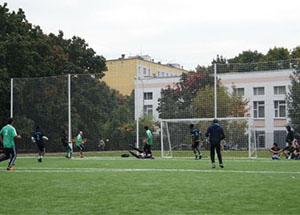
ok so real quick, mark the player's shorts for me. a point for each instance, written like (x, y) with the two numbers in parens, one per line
(80, 147)
(147, 149)
(196, 144)
(41, 147)
(275, 157)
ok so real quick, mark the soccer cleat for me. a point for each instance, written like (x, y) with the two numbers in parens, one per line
(39, 160)
(10, 168)
(221, 165)
(200, 156)
(196, 157)
(213, 165)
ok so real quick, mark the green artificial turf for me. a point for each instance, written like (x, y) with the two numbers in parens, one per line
(114, 185)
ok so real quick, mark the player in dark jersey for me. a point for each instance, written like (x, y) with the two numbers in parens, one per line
(196, 135)
(38, 137)
(290, 135)
(64, 140)
(141, 154)
(275, 152)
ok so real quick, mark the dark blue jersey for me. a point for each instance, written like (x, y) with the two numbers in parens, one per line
(38, 136)
(196, 133)
(215, 133)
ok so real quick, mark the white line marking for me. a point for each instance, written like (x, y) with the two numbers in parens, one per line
(95, 170)
(227, 159)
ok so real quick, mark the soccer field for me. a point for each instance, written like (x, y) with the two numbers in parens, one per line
(113, 185)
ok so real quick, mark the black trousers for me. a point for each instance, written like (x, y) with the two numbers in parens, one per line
(215, 147)
(9, 153)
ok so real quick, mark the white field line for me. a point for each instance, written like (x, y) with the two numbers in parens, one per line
(166, 159)
(96, 170)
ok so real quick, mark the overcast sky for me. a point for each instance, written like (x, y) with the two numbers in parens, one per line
(188, 32)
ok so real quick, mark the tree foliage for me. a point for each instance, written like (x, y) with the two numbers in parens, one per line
(293, 100)
(27, 54)
(25, 51)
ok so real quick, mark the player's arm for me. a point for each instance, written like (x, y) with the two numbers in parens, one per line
(15, 135)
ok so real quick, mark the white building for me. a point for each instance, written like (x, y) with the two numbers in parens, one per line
(147, 93)
(265, 90)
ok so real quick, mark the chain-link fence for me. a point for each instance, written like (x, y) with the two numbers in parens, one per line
(268, 93)
(105, 116)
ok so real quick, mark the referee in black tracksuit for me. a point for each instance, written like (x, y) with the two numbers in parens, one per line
(215, 133)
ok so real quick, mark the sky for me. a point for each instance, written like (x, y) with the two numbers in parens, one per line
(188, 32)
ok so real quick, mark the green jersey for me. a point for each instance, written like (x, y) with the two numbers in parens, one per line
(78, 140)
(149, 137)
(9, 133)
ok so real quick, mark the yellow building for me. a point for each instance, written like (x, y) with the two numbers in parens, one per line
(121, 73)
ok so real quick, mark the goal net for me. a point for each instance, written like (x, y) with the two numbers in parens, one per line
(239, 132)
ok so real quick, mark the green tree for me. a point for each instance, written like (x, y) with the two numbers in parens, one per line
(293, 100)
(247, 57)
(276, 54)
(295, 53)
(175, 101)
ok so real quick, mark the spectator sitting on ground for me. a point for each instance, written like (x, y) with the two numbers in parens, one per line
(296, 153)
(288, 150)
(275, 152)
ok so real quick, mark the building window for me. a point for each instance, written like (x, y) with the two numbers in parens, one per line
(240, 91)
(280, 108)
(158, 73)
(144, 71)
(148, 72)
(260, 139)
(139, 70)
(148, 109)
(259, 109)
(162, 74)
(258, 91)
(279, 90)
(279, 138)
(148, 96)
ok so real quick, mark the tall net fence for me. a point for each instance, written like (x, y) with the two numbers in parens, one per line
(268, 93)
(40, 102)
(105, 116)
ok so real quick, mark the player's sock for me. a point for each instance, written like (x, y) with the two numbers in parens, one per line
(200, 155)
(135, 155)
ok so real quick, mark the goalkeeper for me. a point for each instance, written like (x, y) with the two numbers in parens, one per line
(196, 134)
(141, 154)
(38, 137)
(64, 140)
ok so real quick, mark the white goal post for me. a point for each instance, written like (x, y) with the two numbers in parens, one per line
(239, 132)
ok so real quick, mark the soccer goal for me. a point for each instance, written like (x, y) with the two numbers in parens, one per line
(239, 132)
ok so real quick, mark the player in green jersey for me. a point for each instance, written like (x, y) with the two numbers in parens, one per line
(79, 144)
(7, 136)
(148, 141)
